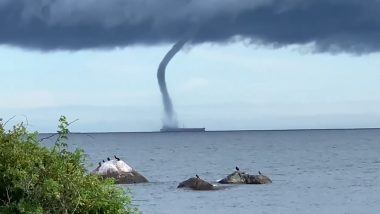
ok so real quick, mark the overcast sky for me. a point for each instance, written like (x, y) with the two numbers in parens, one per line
(263, 64)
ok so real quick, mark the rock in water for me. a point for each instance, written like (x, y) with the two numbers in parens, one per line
(238, 177)
(108, 168)
(131, 178)
(122, 166)
(196, 184)
(257, 179)
(121, 171)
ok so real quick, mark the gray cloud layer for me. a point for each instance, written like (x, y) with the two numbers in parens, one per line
(333, 25)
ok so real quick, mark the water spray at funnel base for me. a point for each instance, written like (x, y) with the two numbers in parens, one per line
(170, 119)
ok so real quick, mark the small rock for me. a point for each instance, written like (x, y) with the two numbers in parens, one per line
(257, 179)
(196, 184)
(239, 177)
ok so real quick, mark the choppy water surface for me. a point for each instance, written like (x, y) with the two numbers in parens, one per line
(320, 171)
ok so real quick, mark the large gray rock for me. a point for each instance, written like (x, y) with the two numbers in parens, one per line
(120, 171)
(257, 179)
(239, 177)
(233, 178)
(196, 184)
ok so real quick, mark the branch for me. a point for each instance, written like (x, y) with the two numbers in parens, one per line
(26, 119)
(9, 120)
(50, 136)
(72, 122)
(8, 197)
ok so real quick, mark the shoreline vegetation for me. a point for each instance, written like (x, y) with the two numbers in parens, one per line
(36, 179)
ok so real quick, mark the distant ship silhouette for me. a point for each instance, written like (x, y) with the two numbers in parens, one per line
(171, 129)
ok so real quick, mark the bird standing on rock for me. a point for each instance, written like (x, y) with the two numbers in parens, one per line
(108, 159)
(103, 161)
(259, 173)
(100, 164)
(238, 171)
(116, 158)
(197, 176)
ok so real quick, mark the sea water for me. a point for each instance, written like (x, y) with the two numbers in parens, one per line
(313, 171)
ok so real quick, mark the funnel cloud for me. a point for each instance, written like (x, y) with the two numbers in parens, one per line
(170, 119)
(329, 25)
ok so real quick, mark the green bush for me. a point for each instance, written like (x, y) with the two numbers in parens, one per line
(36, 179)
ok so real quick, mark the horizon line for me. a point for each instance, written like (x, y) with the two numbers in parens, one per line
(237, 130)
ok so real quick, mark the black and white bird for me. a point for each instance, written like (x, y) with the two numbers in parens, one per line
(237, 168)
(197, 176)
(259, 173)
(103, 161)
(100, 164)
(108, 159)
(116, 158)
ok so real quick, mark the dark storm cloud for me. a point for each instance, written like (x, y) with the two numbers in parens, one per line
(332, 25)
